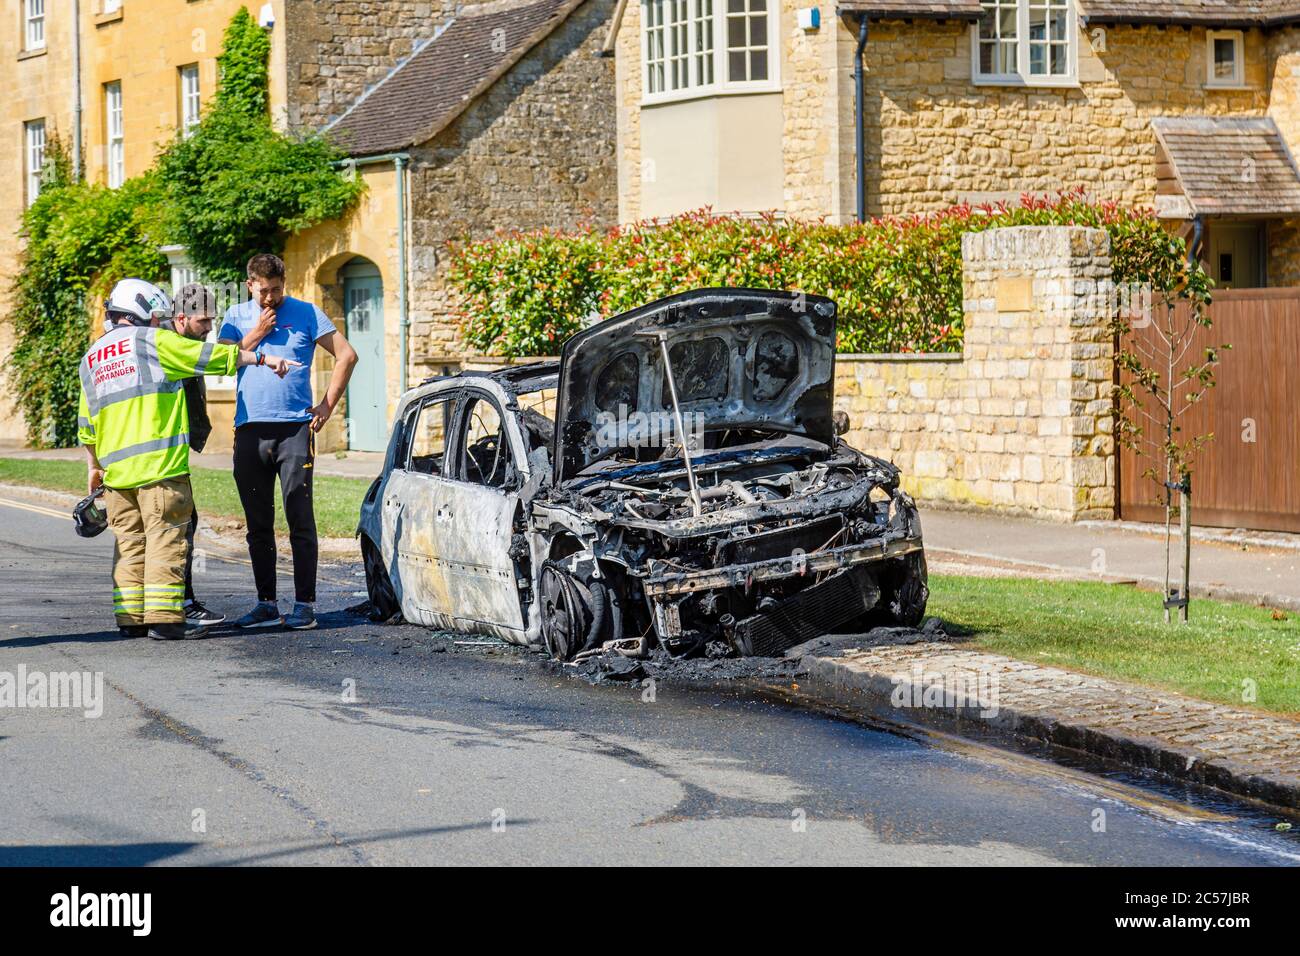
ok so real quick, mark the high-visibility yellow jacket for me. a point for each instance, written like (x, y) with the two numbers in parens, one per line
(133, 403)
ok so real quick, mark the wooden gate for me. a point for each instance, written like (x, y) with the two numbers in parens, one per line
(1249, 476)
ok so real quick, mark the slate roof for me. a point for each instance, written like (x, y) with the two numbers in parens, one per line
(918, 9)
(424, 94)
(1230, 166)
(1221, 13)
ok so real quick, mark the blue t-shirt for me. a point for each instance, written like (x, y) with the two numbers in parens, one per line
(260, 395)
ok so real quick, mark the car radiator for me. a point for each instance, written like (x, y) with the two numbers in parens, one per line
(810, 613)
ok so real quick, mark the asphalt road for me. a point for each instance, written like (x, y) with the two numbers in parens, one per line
(243, 750)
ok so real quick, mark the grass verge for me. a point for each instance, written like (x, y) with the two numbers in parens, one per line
(338, 500)
(1225, 653)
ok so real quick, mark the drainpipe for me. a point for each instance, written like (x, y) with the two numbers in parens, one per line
(76, 91)
(858, 133)
(401, 162)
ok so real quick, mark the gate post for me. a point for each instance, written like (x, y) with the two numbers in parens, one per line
(1040, 364)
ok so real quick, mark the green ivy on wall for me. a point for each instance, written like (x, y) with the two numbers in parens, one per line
(230, 189)
(235, 186)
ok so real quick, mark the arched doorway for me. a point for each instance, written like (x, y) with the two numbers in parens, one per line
(363, 304)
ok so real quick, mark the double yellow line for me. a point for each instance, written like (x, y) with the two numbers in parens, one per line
(35, 509)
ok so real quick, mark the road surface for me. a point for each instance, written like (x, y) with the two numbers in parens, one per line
(359, 744)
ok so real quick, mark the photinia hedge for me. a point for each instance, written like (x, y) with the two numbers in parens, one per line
(898, 281)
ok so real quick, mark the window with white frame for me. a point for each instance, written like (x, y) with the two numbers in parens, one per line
(191, 101)
(1031, 42)
(112, 6)
(692, 47)
(1225, 57)
(34, 24)
(34, 155)
(115, 136)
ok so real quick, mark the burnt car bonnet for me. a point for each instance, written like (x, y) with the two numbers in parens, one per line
(741, 358)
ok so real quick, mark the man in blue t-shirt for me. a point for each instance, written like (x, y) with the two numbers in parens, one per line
(276, 423)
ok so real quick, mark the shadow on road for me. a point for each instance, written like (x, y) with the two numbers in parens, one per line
(144, 854)
(92, 637)
(90, 854)
(356, 843)
(328, 621)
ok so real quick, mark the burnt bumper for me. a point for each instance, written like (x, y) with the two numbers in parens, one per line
(662, 582)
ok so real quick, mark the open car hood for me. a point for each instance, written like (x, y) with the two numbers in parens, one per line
(741, 358)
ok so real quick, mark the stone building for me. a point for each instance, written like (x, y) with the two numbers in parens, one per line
(113, 77)
(463, 117)
(1190, 106)
(503, 120)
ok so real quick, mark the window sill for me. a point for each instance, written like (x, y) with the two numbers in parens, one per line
(708, 93)
(106, 18)
(1055, 83)
(32, 54)
(1227, 87)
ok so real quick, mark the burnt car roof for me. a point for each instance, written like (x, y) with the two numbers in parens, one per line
(742, 358)
(519, 379)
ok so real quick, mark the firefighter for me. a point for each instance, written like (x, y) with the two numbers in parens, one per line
(196, 308)
(134, 424)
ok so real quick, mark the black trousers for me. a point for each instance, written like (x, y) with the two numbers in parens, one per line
(189, 557)
(263, 452)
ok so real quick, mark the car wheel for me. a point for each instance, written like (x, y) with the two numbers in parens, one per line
(573, 614)
(384, 605)
(911, 591)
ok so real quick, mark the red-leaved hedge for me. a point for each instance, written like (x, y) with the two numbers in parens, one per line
(898, 281)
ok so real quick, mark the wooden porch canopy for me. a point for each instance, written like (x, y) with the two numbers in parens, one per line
(1217, 166)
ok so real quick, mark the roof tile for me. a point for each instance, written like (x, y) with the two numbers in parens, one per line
(424, 94)
(921, 9)
(1225, 13)
(1231, 166)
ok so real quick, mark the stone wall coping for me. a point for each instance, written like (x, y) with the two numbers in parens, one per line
(898, 357)
(462, 358)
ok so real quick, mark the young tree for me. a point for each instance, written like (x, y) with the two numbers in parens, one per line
(1165, 369)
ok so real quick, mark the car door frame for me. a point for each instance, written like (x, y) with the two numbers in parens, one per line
(482, 523)
(411, 501)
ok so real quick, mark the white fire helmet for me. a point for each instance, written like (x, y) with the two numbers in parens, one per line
(139, 301)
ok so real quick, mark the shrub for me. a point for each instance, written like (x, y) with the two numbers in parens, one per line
(79, 240)
(898, 281)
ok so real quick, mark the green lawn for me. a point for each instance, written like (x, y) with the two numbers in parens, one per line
(338, 500)
(1116, 631)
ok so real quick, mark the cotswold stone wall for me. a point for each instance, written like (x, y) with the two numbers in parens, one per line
(336, 49)
(934, 137)
(1021, 421)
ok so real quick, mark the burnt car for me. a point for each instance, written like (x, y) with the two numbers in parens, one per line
(676, 479)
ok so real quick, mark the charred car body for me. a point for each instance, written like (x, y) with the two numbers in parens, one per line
(689, 487)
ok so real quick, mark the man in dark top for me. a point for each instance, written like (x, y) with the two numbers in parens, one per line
(196, 310)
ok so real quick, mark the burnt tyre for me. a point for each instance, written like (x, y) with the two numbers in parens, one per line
(909, 591)
(574, 612)
(384, 606)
